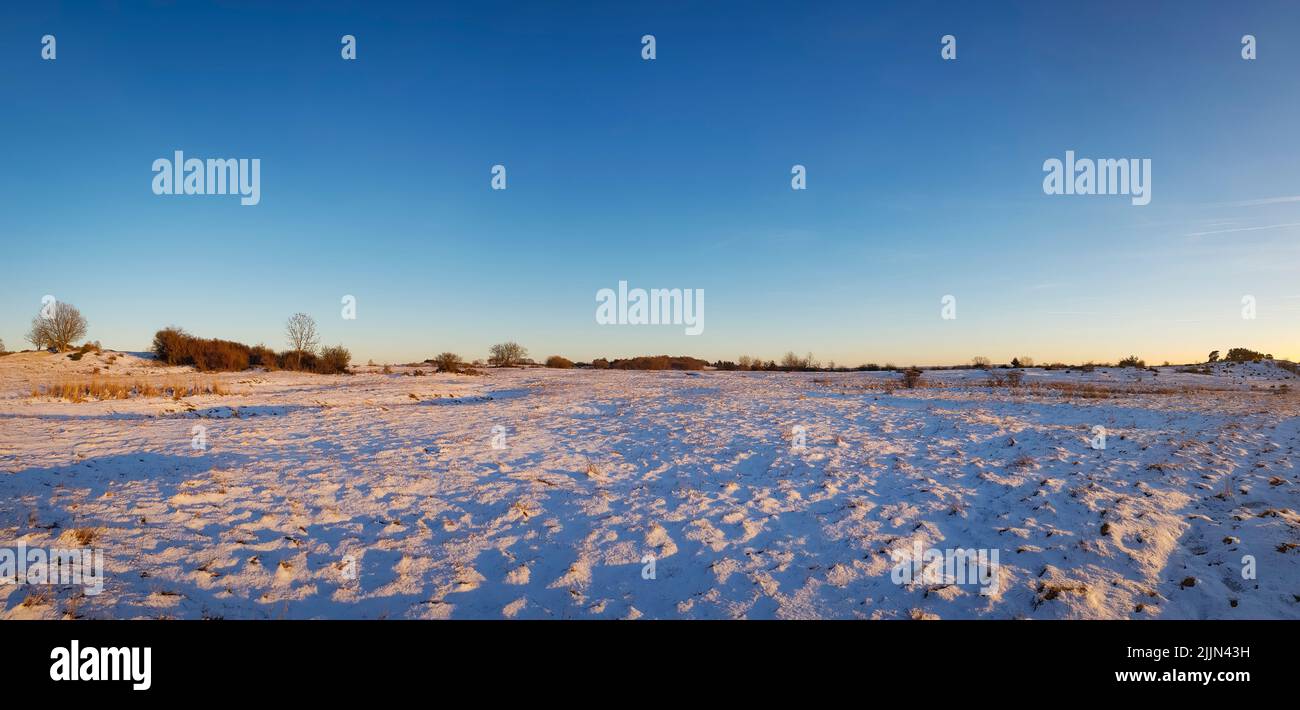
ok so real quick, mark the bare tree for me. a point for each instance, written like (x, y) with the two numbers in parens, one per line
(38, 335)
(63, 325)
(981, 362)
(507, 354)
(301, 332)
(794, 362)
(2, 346)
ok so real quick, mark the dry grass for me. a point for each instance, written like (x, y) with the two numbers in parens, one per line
(37, 598)
(85, 536)
(1086, 390)
(101, 389)
(1081, 390)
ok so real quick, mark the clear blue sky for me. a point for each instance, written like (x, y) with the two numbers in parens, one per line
(924, 176)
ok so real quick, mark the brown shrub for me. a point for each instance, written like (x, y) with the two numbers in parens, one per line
(305, 361)
(261, 356)
(659, 362)
(911, 377)
(334, 360)
(174, 346)
(448, 362)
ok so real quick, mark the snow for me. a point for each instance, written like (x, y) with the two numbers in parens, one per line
(383, 496)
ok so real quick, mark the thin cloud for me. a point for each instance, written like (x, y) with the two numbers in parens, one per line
(1263, 201)
(1243, 229)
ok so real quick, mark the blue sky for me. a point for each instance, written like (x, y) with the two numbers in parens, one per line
(924, 176)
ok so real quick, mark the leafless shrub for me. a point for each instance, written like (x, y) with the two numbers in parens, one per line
(790, 361)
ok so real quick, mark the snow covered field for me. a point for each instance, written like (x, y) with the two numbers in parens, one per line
(397, 496)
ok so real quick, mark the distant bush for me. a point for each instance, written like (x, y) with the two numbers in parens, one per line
(169, 345)
(261, 356)
(173, 346)
(1244, 355)
(981, 362)
(746, 362)
(911, 377)
(659, 362)
(600, 363)
(507, 354)
(792, 362)
(559, 362)
(334, 360)
(84, 349)
(215, 355)
(1132, 361)
(448, 362)
(305, 361)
